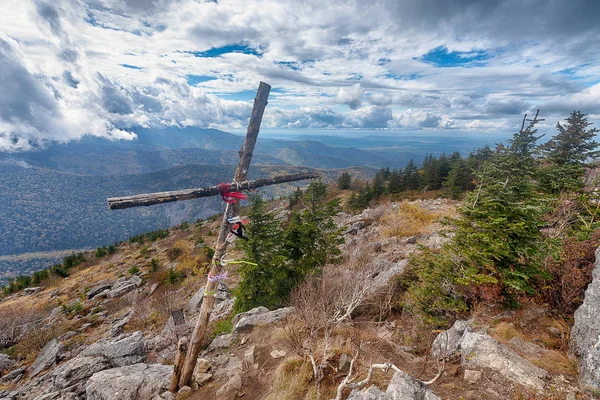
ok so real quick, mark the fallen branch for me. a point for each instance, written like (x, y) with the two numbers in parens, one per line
(347, 382)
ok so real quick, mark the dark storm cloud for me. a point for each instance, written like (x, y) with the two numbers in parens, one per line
(24, 99)
(115, 99)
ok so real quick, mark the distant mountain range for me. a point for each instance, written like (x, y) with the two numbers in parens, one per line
(55, 198)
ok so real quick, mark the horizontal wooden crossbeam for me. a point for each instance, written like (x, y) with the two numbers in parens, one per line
(148, 199)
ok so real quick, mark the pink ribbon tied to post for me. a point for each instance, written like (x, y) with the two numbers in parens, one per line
(230, 197)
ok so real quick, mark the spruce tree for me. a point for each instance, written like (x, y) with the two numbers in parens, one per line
(396, 182)
(344, 181)
(568, 152)
(267, 283)
(493, 253)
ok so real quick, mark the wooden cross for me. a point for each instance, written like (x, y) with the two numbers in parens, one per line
(239, 183)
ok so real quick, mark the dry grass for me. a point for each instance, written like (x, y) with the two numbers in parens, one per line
(292, 380)
(505, 331)
(409, 219)
(556, 363)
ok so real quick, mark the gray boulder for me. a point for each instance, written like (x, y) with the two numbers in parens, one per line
(118, 325)
(254, 311)
(233, 373)
(253, 318)
(370, 393)
(107, 353)
(124, 285)
(405, 387)
(132, 382)
(196, 300)
(222, 310)
(124, 350)
(12, 375)
(95, 291)
(74, 373)
(48, 357)
(32, 290)
(384, 274)
(450, 339)
(223, 341)
(5, 362)
(479, 350)
(222, 294)
(585, 334)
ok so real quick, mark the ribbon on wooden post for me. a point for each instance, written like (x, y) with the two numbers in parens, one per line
(230, 197)
(217, 278)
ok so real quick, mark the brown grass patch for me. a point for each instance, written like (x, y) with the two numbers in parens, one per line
(409, 219)
(292, 380)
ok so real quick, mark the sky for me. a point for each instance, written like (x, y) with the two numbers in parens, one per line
(70, 68)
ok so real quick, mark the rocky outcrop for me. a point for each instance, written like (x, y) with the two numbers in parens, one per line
(585, 334)
(95, 291)
(233, 374)
(5, 362)
(402, 386)
(223, 341)
(370, 393)
(222, 294)
(108, 353)
(47, 358)
(124, 285)
(447, 342)
(132, 382)
(196, 301)
(258, 316)
(481, 351)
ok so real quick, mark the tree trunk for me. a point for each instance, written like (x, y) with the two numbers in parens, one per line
(118, 203)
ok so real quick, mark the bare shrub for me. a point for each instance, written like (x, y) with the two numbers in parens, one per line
(13, 325)
(154, 312)
(564, 214)
(571, 274)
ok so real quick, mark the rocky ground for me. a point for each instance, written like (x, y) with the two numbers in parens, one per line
(106, 332)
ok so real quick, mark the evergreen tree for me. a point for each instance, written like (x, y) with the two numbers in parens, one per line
(344, 181)
(430, 172)
(568, 152)
(412, 179)
(493, 254)
(268, 282)
(458, 179)
(311, 237)
(396, 181)
(379, 182)
(443, 169)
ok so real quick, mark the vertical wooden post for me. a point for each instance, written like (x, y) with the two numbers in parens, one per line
(260, 102)
(178, 366)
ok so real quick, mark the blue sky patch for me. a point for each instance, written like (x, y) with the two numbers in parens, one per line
(131, 66)
(230, 48)
(293, 65)
(441, 57)
(410, 77)
(196, 79)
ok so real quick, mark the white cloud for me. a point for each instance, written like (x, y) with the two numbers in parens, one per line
(63, 72)
(351, 96)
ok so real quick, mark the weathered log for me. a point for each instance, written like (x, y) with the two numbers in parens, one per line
(118, 203)
(260, 102)
(178, 366)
